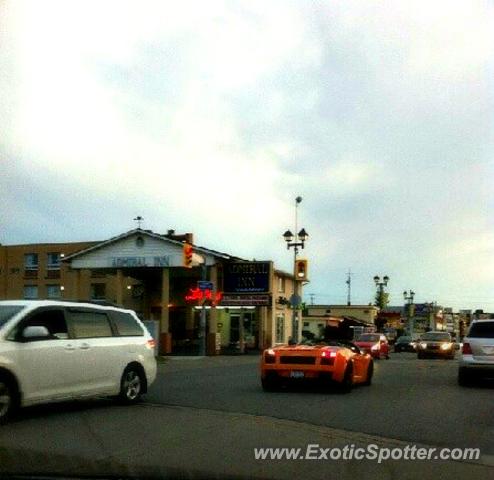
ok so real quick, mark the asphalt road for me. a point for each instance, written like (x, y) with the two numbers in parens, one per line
(410, 399)
(203, 418)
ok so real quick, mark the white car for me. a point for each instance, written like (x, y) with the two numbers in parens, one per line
(60, 350)
(477, 352)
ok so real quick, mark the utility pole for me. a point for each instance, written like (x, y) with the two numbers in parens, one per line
(312, 295)
(349, 283)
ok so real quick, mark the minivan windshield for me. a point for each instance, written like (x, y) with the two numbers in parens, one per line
(7, 312)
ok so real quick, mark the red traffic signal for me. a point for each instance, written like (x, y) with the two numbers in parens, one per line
(187, 255)
(301, 273)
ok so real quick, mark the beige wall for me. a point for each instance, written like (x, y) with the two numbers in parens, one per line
(282, 286)
(366, 313)
(13, 277)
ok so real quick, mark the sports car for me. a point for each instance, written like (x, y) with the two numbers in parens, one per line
(332, 363)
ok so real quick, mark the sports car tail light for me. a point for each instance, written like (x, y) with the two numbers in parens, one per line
(466, 349)
(269, 358)
(151, 344)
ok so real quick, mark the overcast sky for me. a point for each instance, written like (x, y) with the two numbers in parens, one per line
(211, 117)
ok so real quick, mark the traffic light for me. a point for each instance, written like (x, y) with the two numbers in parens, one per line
(187, 255)
(301, 270)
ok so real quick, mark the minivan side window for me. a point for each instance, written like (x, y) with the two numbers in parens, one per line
(90, 324)
(126, 325)
(52, 319)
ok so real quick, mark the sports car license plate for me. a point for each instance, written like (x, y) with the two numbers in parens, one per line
(297, 374)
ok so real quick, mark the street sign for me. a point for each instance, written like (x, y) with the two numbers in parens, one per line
(295, 300)
(205, 285)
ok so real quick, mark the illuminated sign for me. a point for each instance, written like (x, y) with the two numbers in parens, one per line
(196, 294)
(247, 277)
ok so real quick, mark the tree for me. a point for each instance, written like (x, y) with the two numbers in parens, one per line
(381, 299)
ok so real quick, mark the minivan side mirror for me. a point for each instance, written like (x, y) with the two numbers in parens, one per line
(35, 331)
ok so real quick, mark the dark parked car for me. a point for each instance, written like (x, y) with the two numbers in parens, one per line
(405, 344)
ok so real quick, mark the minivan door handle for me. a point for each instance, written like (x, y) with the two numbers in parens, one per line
(69, 347)
(85, 346)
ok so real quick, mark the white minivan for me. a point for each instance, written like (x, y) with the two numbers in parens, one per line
(61, 350)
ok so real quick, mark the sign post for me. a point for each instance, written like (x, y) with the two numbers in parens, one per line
(202, 321)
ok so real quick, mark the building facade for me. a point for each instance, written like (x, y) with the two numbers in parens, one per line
(245, 307)
(37, 271)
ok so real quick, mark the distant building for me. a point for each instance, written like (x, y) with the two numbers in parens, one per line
(365, 313)
(338, 321)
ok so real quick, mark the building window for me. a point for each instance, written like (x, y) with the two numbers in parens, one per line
(281, 284)
(98, 291)
(53, 291)
(139, 242)
(280, 328)
(30, 292)
(31, 261)
(53, 261)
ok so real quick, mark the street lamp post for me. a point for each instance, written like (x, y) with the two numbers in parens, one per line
(381, 285)
(408, 296)
(302, 237)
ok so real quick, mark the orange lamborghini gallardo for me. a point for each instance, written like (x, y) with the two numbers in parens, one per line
(334, 363)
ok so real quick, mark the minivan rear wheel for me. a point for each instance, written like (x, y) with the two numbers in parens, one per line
(8, 399)
(131, 385)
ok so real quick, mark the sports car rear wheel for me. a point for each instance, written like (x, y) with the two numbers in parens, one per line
(370, 372)
(347, 383)
(270, 384)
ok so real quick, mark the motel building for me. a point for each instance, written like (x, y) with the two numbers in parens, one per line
(245, 304)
